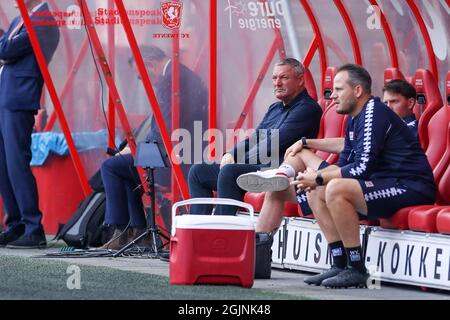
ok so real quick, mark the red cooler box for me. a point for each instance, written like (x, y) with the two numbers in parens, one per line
(212, 249)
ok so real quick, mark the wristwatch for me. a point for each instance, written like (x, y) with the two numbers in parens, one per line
(319, 179)
(304, 143)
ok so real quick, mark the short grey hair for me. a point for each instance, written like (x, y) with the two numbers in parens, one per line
(294, 63)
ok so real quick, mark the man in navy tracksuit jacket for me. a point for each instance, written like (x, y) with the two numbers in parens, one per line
(381, 169)
(21, 85)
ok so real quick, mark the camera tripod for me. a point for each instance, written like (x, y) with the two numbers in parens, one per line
(152, 228)
(149, 156)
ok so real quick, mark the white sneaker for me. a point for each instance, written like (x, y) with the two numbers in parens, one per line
(262, 181)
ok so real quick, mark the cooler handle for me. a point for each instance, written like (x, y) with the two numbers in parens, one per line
(223, 201)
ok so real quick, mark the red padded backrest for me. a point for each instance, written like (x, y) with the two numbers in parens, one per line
(410, 80)
(443, 187)
(331, 126)
(437, 128)
(392, 74)
(309, 84)
(428, 102)
(325, 101)
(442, 173)
(447, 88)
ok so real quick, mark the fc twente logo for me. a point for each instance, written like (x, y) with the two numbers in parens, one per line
(171, 14)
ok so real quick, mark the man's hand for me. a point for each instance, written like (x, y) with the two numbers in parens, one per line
(226, 159)
(294, 149)
(306, 181)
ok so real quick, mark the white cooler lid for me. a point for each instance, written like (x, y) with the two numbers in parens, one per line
(190, 221)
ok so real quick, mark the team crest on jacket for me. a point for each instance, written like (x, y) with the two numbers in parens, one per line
(171, 14)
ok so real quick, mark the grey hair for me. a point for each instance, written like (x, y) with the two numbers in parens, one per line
(294, 63)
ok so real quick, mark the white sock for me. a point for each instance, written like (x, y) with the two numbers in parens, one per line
(287, 170)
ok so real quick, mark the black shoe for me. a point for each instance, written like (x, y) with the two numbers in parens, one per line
(318, 278)
(28, 242)
(350, 277)
(11, 235)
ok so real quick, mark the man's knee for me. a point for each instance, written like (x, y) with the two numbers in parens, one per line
(228, 174)
(108, 165)
(195, 172)
(337, 190)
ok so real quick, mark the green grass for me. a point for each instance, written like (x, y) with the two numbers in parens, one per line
(32, 278)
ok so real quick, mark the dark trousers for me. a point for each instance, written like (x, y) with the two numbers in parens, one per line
(123, 196)
(206, 178)
(17, 183)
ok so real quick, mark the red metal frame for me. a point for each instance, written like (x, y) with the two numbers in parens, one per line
(69, 55)
(54, 97)
(336, 49)
(351, 30)
(151, 96)
(67, 84)
(388, 34)
(212, 100)
(112, 62)
(92, 33)
(318, 34)
(175, 98)
(311, 52)
(254, 90)
(277, 44)
(426, 38)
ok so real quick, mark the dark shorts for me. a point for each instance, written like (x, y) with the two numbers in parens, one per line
(383, 197)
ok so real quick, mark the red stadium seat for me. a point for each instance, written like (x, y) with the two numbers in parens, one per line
(310, 85)
(255, 199)
(392, 74)
(425, 218)
(428, 102)
(332, 125)
(291, 209)
(325, 100)
(422, 218)
(443, 220)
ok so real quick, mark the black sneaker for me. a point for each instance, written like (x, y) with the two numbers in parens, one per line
(318, 278)
(11, 235)
(350, 277)
(28, 242)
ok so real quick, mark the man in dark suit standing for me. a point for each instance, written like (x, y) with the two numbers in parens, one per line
(21, 85)
(124, 208)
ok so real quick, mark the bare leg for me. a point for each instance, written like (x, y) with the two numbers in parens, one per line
(272, 211)
(302, 160)
(344, 198)
(316, 200)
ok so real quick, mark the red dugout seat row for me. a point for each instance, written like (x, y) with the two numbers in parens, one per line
(423, 218)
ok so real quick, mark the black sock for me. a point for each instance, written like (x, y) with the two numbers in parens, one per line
(338, 254)
(355, 258)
